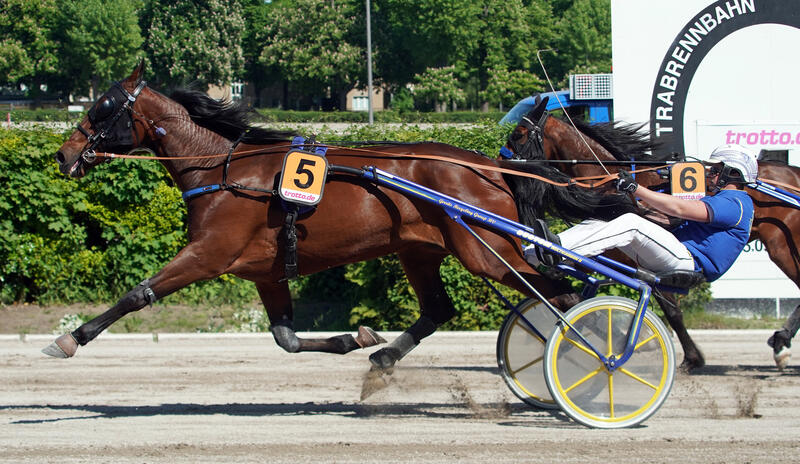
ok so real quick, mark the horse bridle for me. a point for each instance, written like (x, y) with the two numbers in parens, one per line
(88, 153)
(534, 143)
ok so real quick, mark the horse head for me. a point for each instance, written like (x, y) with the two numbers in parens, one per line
(107, 127)
(525, 141)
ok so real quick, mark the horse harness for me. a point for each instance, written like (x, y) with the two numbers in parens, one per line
(293, 210)
(535, 139)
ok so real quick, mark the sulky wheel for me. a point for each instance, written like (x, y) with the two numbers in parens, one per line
(585, 389)
(520, 353)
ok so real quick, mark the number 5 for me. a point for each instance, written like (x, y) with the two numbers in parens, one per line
(301, 169)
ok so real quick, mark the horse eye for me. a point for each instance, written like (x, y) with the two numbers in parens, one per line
(104, 108)
(516, 135)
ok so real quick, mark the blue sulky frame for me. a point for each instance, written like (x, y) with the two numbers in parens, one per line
(775, 192)
(459, 211)
(613, 271)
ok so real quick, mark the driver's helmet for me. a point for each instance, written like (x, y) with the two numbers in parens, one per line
(736, 158)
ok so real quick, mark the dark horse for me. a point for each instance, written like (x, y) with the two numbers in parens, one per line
(238, 230)
(776, 223)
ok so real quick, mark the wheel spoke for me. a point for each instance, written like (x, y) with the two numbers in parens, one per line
(581, 347)
(610, 334)
(529, 331)
(585, 378)
(636, 377)
(514, 372)
(611, 395)
(644, 342)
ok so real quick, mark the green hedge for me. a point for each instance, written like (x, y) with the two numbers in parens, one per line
(43, 115)
(273, 115)
(91, 240)
(268, 115)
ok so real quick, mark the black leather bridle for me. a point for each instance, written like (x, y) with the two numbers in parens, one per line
(103, 117)
(533, 148)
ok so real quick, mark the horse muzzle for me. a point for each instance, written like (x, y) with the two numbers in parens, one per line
(75, 168)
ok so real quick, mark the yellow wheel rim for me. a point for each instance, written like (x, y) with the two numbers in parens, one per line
(611, 416)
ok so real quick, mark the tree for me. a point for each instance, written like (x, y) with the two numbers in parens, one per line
(439, 86)
(315, 51)
(585, 36)
(103, 40)
(414, 35)
(29, 47)
(505, 88)
(510, 32)
(190, 41)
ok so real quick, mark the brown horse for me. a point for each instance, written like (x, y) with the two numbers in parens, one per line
(237, 229)
(776, 223)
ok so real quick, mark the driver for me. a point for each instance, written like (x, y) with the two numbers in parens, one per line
(714, 231)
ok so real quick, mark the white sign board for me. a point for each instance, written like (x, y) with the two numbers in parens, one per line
(705, 73)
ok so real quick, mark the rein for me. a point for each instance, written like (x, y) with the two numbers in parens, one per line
(601, 179)
(363, 152)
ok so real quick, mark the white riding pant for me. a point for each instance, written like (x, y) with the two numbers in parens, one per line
(648, 244)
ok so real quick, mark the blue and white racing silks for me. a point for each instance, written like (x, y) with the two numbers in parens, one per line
(716, 245)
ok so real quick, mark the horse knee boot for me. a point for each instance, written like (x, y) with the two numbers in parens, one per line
(402, 345)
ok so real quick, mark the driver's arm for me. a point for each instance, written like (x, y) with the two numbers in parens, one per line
(693, 210)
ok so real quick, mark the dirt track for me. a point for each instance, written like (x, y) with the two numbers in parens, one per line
(241, 399)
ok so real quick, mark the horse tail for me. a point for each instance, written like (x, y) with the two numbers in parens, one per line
(571, 203)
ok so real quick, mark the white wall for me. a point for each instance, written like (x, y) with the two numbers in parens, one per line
(743, 90)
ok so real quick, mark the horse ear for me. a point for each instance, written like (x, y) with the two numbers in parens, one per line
(538, 110)
(138, 72)
(544, 102)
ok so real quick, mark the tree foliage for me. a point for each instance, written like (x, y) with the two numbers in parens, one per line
(310, 49)
(510, 33)
(506, 88)
(414, 35)
(315, 50)
(585, 36)
(29, 46)
(190, 41)
(438, 86)
(102, 41)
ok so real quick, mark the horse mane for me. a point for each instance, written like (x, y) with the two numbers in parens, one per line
(571, 203)
(623, 141)
(226, 118)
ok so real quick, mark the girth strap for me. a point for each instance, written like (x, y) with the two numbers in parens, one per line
(290, 260)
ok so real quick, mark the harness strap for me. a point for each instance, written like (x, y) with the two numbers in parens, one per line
(228, 159)
(290, 260)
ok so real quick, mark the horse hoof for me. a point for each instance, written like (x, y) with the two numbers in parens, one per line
(65, 346)
(368, 337)
(384, 358)
(687, 366)
(782, 358)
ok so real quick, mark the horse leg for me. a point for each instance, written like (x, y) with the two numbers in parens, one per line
(692, 356)
(781, 340)
(185, 269)
(783, 251)
(422, 269)
(278, 302)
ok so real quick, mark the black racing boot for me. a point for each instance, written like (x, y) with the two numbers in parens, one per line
(548, 258)
(780, 342)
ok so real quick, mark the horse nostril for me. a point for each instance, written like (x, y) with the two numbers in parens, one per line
(60, 157)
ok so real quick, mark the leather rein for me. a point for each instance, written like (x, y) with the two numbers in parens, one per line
(365, 152)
